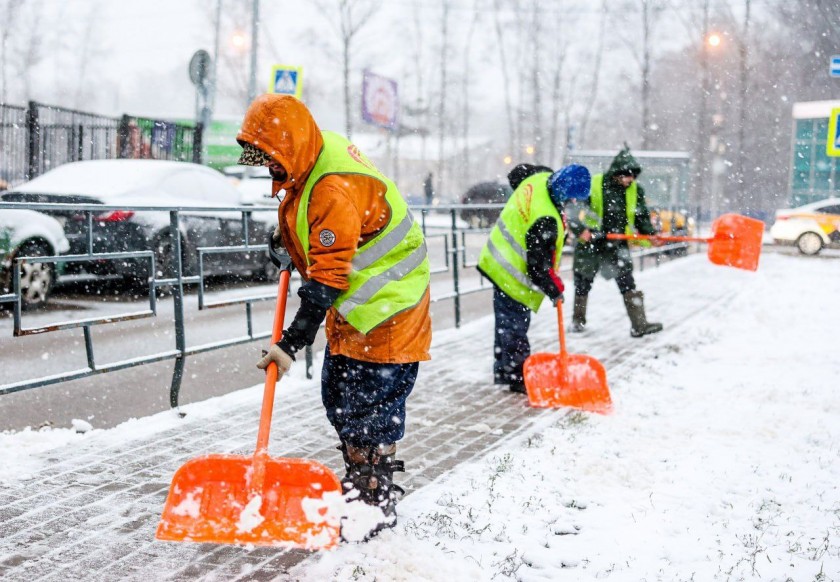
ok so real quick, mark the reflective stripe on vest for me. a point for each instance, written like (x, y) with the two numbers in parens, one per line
(390, 273)
(504, 259)
(505, 264)
(596, 200)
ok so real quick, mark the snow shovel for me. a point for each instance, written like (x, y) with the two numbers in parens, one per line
(735, 241)
(564, 379)
(234, 499)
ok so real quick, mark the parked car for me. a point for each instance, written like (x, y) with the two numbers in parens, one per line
(484, 193)
(253, 183)
(810, 227)
(149, 183)
(25, 233)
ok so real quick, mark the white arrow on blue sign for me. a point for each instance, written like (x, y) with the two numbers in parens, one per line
(834, 67)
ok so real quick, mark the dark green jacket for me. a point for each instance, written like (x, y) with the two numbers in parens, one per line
(612, 258)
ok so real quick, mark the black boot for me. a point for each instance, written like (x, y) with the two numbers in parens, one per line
(369, 478)
(634, 301)
(579, 314)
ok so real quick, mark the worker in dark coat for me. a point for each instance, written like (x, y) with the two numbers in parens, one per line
(616, 205)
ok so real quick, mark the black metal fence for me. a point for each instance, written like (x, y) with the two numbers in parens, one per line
(38, 137)
(452, 249)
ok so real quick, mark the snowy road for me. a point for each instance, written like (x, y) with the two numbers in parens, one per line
(108, 399)
(720, 459)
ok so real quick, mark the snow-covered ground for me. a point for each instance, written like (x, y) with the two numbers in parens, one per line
(721, 460)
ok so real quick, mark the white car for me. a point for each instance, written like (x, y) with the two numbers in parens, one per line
(253, 183)
(25, 233)
(810, 227)
(150, 183)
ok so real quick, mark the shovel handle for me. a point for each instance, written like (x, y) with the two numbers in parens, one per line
(614, 236)
(562, 332)
(271, 374)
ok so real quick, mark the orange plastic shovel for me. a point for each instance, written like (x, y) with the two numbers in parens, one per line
(564, 379)
(234, 499)
(735, 241)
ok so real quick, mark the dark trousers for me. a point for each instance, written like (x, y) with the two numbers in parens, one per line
(624, 281)
(510, 345)
(365, 401)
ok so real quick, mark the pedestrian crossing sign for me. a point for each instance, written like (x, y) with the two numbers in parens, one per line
(832, 144)
(286, 80)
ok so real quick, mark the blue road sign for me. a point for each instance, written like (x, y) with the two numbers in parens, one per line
(834, 67)
(286, 80)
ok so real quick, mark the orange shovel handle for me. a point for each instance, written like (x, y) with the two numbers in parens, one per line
(613, 236)
(261, 453)
(561, 331)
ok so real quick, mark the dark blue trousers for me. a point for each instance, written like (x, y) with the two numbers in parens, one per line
(510, 346)
(365, 401)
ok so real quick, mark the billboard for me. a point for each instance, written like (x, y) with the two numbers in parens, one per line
(380, 101)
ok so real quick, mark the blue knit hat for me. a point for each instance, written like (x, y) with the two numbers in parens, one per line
(569, 183)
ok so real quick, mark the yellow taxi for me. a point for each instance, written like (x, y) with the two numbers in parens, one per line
(811, 227)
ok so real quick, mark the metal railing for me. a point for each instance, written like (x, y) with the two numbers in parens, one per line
(452, 236)
(38, 137)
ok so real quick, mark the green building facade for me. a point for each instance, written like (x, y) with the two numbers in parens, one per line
(814, 175)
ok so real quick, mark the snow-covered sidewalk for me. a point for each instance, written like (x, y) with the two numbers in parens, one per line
(720, 460)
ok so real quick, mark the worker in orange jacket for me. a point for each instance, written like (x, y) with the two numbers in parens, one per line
(363, 262)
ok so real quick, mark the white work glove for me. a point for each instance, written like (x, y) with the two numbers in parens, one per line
(277, 237)
(279, 357)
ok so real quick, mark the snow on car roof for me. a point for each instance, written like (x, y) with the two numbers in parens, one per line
(105, 177)
(818, 204)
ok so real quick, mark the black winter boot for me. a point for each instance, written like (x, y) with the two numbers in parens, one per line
(634, 301)
(369, 478)
(579, 314)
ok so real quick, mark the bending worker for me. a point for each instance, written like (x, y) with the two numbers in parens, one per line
(521, 259)
(616, 205)
(363, 262)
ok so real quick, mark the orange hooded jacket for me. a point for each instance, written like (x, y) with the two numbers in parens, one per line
(351, 207)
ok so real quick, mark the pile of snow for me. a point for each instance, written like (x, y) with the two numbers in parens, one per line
(19, 451)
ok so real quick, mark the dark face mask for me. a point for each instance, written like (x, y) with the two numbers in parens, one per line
(278, 175)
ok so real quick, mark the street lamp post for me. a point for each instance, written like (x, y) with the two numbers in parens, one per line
(252, 81)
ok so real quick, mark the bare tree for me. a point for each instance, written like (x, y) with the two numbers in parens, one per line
(444, 67)
(89, 49)
(596, 70)
(9, 13)
(506, 76)
(466, 77)
(641, 51)
(348, 19)
(536, 80)
(743, 86)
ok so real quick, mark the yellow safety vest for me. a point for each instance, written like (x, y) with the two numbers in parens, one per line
(389, 273)
(504, 258)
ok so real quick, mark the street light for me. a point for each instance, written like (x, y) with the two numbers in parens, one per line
(507, 160)
(529, 149)
(239, 40)
(714, 40)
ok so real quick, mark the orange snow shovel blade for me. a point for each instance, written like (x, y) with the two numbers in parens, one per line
(736, 241)
(234, 499)
(212, 500)
(576, 380)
